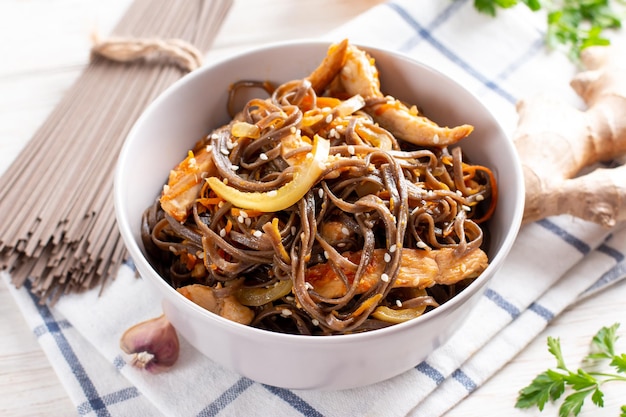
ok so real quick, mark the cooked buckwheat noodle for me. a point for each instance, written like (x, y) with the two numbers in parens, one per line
(403, 197)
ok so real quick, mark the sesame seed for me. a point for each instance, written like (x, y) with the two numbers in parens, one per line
(459, 193)
(480, 197)
(466, 208)
(257, 233)
(329, 118)
(421, 245)
(224, 151)
(393, 248)
(166, 188)
(234, 167)
(292, 129)
(387, 257)
(308, 285)
(243, 214)
(223, 232)
(345, 231)
(341, 245)
(247, 221)
(263, 157)
(309, 155)
(384, 277)
(225, 180)
(285, 312)
(320, 192)
(326, 255)
(399, 303)
(240, 219)
(436, 139)
(214, 136)
(315, 322)
(209, 148)
(293, 230)
(272, 193)
(351, 150)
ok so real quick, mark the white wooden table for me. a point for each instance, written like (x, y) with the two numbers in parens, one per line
(44, 47)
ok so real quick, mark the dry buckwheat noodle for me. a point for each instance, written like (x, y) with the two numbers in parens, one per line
(57, 196)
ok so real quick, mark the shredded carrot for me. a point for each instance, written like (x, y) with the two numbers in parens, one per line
(210, 201)
(327, 102)
(229, 226)
(494, 193)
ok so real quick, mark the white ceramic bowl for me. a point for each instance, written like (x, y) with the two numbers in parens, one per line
(196, 104)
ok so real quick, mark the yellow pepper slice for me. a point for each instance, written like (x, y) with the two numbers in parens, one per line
(304, 177)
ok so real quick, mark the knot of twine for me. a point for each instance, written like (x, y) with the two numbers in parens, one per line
(178, 51)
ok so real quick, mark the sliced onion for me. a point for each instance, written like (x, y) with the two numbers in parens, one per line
(255, 297)
(304, 177)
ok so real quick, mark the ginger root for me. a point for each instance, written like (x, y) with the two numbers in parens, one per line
(556, 142)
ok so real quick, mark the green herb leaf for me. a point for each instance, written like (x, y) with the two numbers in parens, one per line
(551, 384)
(604, 341)
(573, 403)
(546, 386)
(572, 24)
(554, 347)
(598, 398)
(619, 362)
(580, 380)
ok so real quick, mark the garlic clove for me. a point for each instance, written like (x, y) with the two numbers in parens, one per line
(153, 344)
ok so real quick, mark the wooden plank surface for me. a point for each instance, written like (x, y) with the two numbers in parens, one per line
(44, 48)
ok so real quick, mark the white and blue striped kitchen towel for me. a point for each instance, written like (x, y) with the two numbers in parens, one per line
(496, 59)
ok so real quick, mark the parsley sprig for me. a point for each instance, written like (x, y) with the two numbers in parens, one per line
(551, 384)
(573, 24)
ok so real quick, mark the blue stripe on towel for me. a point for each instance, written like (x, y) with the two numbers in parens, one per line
(581, 246)
(293, 400)
(94, 402)
(612, 252)
(110, 399)
(55, 326)
(502, 302)
(426, 35)
(226, 398)
(541, 311)
(430, 372)
(608, 278)
(462, 378)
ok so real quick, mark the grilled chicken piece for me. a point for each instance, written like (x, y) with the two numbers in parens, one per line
(226, 306)
(185, 182)
(418, 269)
(359, 75)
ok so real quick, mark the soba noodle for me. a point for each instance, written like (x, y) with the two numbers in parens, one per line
(378, 204)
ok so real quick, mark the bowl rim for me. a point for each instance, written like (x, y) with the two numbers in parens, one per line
(141, 263)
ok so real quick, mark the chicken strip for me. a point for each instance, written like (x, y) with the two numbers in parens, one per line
(359, 75)
(418, 269)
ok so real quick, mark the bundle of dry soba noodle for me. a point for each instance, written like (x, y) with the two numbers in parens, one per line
(58, 225)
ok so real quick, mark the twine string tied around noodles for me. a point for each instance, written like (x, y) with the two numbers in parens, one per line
(122, 49)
